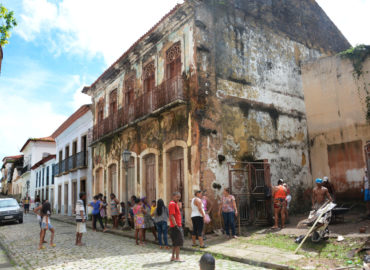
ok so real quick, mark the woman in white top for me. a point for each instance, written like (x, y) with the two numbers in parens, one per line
(197, 218)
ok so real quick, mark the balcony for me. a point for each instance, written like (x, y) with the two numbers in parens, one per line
(26, 168)
(74, 162)
(165, 94)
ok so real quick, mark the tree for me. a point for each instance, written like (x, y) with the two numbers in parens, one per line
(7, 22)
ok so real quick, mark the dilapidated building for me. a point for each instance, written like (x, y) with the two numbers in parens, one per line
(337, 100)
(211, 89)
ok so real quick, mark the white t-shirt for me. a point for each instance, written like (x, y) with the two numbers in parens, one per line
(44, 217)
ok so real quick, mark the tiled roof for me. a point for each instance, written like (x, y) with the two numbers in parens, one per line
(76, 115)
(44, 139)
(42, 161)
(13, 157)
(172, 11)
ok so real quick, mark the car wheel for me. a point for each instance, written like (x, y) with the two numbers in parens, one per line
(20, 221)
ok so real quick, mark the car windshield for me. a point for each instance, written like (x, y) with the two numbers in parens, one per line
(8, 203)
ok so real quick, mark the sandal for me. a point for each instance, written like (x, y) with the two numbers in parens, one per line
(194, 245)
(53, 245)
(204, 246)
(42, 247)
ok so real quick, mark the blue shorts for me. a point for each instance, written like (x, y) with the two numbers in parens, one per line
(367, 195)
(43, 226)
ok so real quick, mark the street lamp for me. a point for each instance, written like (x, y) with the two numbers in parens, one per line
(126, 158)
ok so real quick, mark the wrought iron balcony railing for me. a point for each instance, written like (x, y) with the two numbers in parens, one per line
(76, 161)
(145, 104)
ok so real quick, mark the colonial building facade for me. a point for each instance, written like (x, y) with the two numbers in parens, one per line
(10, 171)
(44, 185)
(73, 159)
(209, 91)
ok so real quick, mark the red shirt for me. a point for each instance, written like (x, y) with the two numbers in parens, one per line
(174, 210)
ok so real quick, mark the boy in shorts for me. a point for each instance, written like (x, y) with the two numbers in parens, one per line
(80, 218)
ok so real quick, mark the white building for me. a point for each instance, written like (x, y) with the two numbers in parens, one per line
(44, 178)
(73, 168)
(34, 150)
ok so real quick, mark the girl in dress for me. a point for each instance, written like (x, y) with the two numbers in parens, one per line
(139, 213)
(114, 210)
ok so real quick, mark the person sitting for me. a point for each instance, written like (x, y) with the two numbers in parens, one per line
(121, 216)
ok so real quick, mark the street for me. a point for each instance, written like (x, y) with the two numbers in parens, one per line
(102, 251)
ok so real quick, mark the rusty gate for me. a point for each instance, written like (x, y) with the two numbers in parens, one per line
(249, 182)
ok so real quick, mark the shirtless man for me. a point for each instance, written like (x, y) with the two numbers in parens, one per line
(319, 195)
(279, 193)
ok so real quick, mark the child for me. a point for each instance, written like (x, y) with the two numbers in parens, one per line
(160, 218)
(103, 210)
(80, 219)
(139, 212)
(153, 207)
(46, 225)
(37, 211)
(207, 262)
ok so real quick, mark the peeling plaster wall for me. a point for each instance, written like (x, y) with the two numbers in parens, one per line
(250, 102)
(336, 116)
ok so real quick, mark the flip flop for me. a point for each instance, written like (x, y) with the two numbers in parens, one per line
(53, 245)
(179, 260)
(42, 247)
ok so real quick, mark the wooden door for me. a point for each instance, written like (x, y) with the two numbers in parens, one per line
(150, 177)
(66, 199)
(112, 187)
(83, 186)
(74, 196)
(177, 171)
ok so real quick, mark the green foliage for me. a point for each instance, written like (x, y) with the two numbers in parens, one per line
(7, 22)
(357, 55)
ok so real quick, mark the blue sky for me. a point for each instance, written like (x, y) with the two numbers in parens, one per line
(61, 45)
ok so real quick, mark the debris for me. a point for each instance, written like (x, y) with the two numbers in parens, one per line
(362, 230)
(340, 238)
(299, 239)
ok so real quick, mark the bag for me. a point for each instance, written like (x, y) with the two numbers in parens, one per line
(207, 219)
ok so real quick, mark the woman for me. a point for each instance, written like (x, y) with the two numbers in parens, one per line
(160, 218)
(197, 218)
(114, 210)
(103, 210)
(46, 225)
(229, 212)
(149, 223)
(139, 213)
(97, 205)
(207, 209)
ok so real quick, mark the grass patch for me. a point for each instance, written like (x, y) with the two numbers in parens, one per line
(330, 249)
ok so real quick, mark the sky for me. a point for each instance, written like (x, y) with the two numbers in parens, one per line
(59, 46)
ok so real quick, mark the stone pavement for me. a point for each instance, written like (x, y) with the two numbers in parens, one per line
(102, 250)
(234, 249)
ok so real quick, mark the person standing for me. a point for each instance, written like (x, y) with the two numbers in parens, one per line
(326, 183)
(149, 223)
(80, 218)
(139, 221)
(207, 209)
(103, 210)
(288, 199)
(320, 195)
(96, 204)
(367, 193)
(176, 231)
(114, 210)
(26, 204)
(160, 218)
(197, 218)
(46, 225)
(229, 212)
(279, 193)
(37, 211)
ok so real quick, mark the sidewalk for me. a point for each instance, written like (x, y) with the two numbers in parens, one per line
(220, 246)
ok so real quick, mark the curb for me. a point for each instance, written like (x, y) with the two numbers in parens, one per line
(11, 257)
(231, 258)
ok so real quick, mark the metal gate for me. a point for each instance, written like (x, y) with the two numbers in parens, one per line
(249, 182)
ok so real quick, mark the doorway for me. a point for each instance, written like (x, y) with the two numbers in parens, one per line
(176, 167)
(65, 199)
(150, 177)
(74, 196)
(59, 198)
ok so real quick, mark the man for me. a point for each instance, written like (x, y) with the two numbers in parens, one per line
(279, 194)
(329, 186)
(176, 231)
(207, 262)
(319, 195)
(26, 204)
(367, 193)
(80, 218)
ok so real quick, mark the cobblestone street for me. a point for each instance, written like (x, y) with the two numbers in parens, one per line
(102, 251)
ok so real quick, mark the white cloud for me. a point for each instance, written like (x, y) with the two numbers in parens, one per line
(90, 27)
(351, 17)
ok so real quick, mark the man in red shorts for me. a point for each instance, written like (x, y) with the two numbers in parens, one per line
(176, 231)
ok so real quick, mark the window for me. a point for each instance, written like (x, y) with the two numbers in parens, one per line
(52, 174)
(173, 61)
(149, 77)
(47, 175)
(43, 176)
(100, 111)
(113, 102)
(129, 90)
(37, 178)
